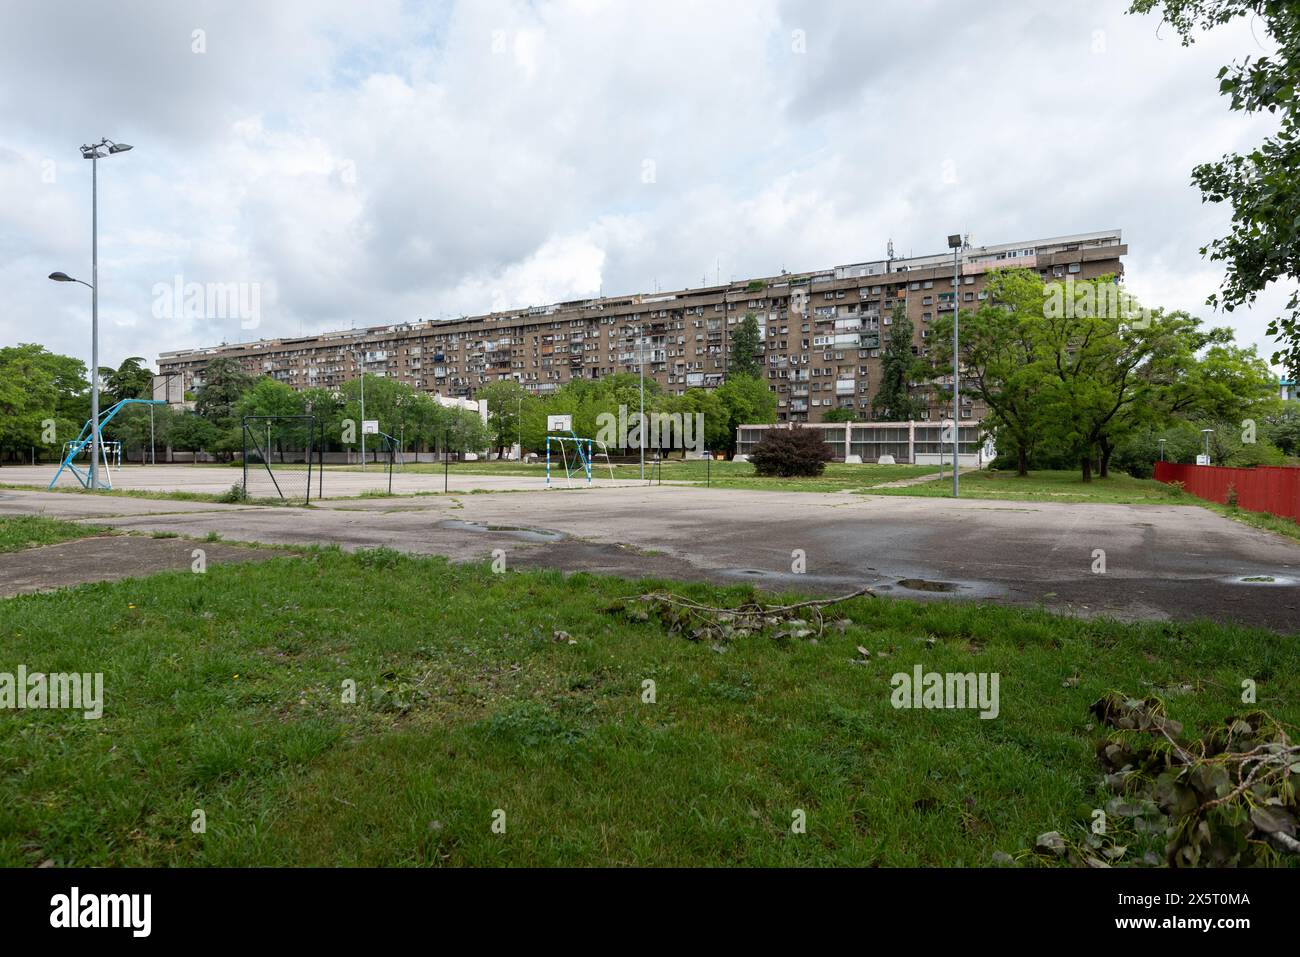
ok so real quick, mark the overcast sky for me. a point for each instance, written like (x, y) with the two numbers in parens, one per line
(365, 163)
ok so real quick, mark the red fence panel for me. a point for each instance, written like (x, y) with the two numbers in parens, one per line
(1274, 489)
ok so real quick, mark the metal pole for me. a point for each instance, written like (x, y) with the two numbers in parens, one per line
(363, 417)
(446, 459)
(152, 458)
(956, 365)
(94, 321)
(641, 429)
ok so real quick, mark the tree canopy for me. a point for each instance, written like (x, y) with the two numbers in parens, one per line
(1263, 242)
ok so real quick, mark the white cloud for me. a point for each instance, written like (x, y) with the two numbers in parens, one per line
(382, 162)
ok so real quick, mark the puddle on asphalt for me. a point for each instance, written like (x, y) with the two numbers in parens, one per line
(1265, 580)
(924, 584)
(514, 531)
(937, 589)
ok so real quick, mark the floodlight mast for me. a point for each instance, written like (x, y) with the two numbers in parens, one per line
(94, 152)
(955, 244)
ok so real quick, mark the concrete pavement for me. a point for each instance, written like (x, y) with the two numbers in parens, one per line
(1160, 561)
(339, 483)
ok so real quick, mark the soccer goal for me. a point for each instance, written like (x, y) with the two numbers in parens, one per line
(575, 456)
(278, 451)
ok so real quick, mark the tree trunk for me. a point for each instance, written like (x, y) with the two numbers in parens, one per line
(1106, 450)
(1022, 461)
(1087, 467)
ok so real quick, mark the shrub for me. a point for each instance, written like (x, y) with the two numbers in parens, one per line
(791, 452)
(236, 494)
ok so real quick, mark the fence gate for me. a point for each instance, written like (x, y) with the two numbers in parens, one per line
(278, 453)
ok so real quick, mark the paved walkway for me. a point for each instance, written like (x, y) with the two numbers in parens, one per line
(921, 479)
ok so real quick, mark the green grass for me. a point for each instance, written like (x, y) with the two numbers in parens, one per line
(175, 496)
(1051, 486)
(738, 475)
(30, 531)
(223, 693)
(1060, 486)
(1265, 520)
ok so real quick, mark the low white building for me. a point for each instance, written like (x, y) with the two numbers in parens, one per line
(908, 443)
(473, 405)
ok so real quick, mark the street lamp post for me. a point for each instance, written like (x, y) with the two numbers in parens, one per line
(1162, 450)
(954, 243)
(361, 357)
(94, 152)
(641, 428)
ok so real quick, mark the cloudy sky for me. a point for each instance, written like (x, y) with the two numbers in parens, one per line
(365, 163)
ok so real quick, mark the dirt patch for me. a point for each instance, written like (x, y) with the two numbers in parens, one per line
(110, 558)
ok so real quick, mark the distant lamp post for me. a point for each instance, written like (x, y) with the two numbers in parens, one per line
(94, 152)
(954, 243)
(1206, 456)
(1162, 450)
(360, 357)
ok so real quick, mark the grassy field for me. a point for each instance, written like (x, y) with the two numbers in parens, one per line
(173, 496)
(1118, 488)
(30, 531)
(741, 475)
(523, 693)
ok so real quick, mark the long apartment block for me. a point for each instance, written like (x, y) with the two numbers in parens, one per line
(822, 331)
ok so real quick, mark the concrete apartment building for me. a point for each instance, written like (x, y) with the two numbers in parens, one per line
(822, 331)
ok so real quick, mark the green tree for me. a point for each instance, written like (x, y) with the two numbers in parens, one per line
(224, 383)
(746, 401)
(272, 398)
(1263, 244)
(746, 349)
(587, 400)
(1283, 428)
(133, 379)
(718, 434)
(43, 399)
(191, 432)
(840, 415)
(1004, 355)
(1116, 367)
(506, 399)
(899, 368)
(467, 432)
